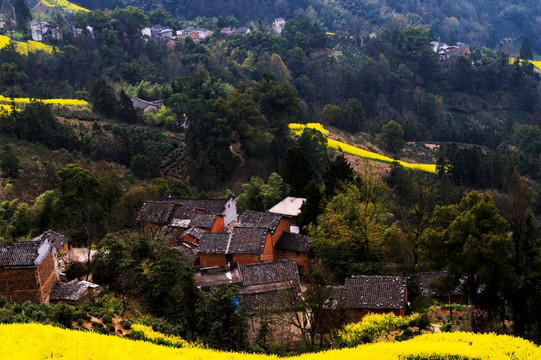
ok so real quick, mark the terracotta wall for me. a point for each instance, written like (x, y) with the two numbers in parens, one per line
(20, 284)
(300, 258)
(218, 225)
(245, 259)
(209, 260)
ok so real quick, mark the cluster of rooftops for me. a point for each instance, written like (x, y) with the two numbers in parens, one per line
(261, 252)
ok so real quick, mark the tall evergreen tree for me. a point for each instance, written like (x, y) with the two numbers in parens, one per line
(526, 49)
(23, 15)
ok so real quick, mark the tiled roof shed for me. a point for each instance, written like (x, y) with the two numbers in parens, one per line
(70, 291)
(294, 242)
(269, 272)
(256, 219)
(375, 292)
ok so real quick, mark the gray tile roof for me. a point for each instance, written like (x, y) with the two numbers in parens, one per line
(269, 286)
(208, 206)
(156, 212)
(269, 272)
(23, 253)
(294, 242)
(203, 220)
(248, 240)
(213, 243)
(57, 240)
(70, 291)
(195, 232)
(260, 219)
(375, 292)
(424, 279)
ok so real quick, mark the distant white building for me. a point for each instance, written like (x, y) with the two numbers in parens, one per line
(278, 25)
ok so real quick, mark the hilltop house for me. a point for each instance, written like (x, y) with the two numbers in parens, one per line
(158, 32)
(29, 269)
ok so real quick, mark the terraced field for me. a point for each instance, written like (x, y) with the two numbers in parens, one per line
(350, 149)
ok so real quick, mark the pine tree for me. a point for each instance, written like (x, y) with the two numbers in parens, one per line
(23, 15)
(526, 49)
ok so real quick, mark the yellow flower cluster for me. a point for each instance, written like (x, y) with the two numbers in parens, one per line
(63, 4)
(537, 64)
(373, 325)
(159, 338)
(299, 128)
(32, 46)
(63, 102)
(4, 41)
(34, 341)
(5, 109)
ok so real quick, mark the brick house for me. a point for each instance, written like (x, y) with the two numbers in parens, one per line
(73, 292)
(258, 236)
(29, 269)
(269, 293)
(374, 294)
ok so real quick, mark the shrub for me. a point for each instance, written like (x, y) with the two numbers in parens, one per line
(126, 324)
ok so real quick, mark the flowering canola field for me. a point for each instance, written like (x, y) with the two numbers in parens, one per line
(299, 128)
(34, 341)
(535, 63)
(63, 4)
(24, 48)
(64, 102)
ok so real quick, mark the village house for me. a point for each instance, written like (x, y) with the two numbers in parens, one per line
(372, 294)
(229, 31)
(29, 269)
(147, 106)
(158, 32)
(257, 236)
(183, 219)
(450, 53)
(269, 293)
(278, 25)
(196, 33)
(424, 281)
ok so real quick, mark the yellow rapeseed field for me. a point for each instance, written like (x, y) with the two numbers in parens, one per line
(63, 4)
(34, 341)
(63, 102)
(299, 128)
(4, 40)
(24, 48)
(32, 46)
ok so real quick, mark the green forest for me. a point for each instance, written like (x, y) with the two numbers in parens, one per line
(366, 70)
